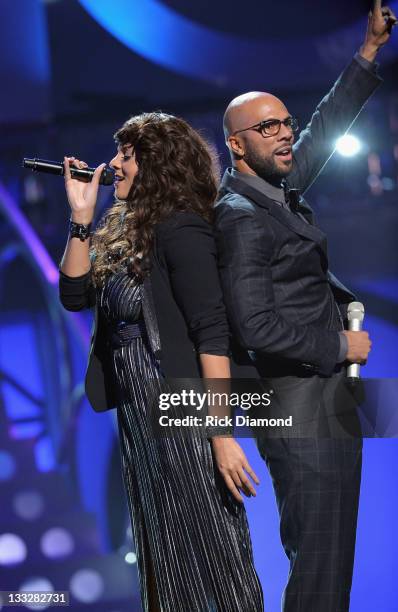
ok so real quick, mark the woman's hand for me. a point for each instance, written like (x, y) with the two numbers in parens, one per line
(82, 196)
(234, 467)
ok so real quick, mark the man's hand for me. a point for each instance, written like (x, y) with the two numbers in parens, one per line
(358, 346)
(380, 24)
(234, 467)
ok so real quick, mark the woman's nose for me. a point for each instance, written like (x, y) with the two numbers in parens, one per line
(113, 163)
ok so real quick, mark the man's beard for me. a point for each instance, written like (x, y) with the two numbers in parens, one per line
(264, 167)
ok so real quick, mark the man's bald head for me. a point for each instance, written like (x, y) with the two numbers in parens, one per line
(248, 109)
(252, 151)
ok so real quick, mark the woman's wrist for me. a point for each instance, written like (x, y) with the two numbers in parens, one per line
(83, 218)
(79, 230)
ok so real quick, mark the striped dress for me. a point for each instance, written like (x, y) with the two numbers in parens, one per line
(185, 522)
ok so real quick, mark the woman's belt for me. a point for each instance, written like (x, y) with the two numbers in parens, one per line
(122, 332)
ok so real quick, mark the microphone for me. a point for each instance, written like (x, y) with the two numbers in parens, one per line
(83, 174)
(355, 314)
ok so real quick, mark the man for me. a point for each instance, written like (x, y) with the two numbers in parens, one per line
(288, 311)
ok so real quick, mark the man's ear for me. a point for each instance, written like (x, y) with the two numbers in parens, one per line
(235, 146)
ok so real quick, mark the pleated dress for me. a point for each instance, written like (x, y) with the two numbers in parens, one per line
(185, 522)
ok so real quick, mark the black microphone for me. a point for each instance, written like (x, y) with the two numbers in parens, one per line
(83, 174)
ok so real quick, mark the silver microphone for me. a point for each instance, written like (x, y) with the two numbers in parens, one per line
(355, 315)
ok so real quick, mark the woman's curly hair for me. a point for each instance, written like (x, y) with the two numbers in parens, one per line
(177, 171)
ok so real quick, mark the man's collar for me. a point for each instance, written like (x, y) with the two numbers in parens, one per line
(277, 194)
(284, 196)
(234, 182)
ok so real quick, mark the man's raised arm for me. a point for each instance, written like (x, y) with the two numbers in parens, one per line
(338, 110)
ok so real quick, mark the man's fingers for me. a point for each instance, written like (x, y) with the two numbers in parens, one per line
(390, 18)
(387, 12)
(376, 6)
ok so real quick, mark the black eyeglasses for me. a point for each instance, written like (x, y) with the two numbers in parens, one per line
(271, 127)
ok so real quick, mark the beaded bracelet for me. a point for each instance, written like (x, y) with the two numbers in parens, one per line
(79, 230)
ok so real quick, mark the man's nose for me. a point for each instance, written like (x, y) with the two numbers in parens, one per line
(285, 133)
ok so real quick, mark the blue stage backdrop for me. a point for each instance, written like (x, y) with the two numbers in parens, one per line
(24, 66)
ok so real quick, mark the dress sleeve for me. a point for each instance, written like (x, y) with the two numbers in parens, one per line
(76, 292)
(190, 254)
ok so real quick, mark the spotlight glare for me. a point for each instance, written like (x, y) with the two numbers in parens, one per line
(7, 465)
(87, 585)
(12, 549)
(57, 542)
(348, 145)
(130, 558)
(28, 505)
(40, 584)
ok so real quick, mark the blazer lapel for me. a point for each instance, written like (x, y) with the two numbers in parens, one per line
(306, 211)
(287, 218)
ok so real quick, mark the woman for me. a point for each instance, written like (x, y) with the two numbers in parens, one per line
(151, 274)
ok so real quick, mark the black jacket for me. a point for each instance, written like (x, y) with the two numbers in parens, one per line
(273, 263)
(182, 307)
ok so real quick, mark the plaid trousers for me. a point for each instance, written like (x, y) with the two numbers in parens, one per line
(316, 482)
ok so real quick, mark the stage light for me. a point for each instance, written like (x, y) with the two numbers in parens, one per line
(7, 465)
(28, 505)
(130, 558)
(348, 145)
(57, 542)
(86, 585)
(375, 184)
(388, 184)
(12, 549)
(40, 584)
